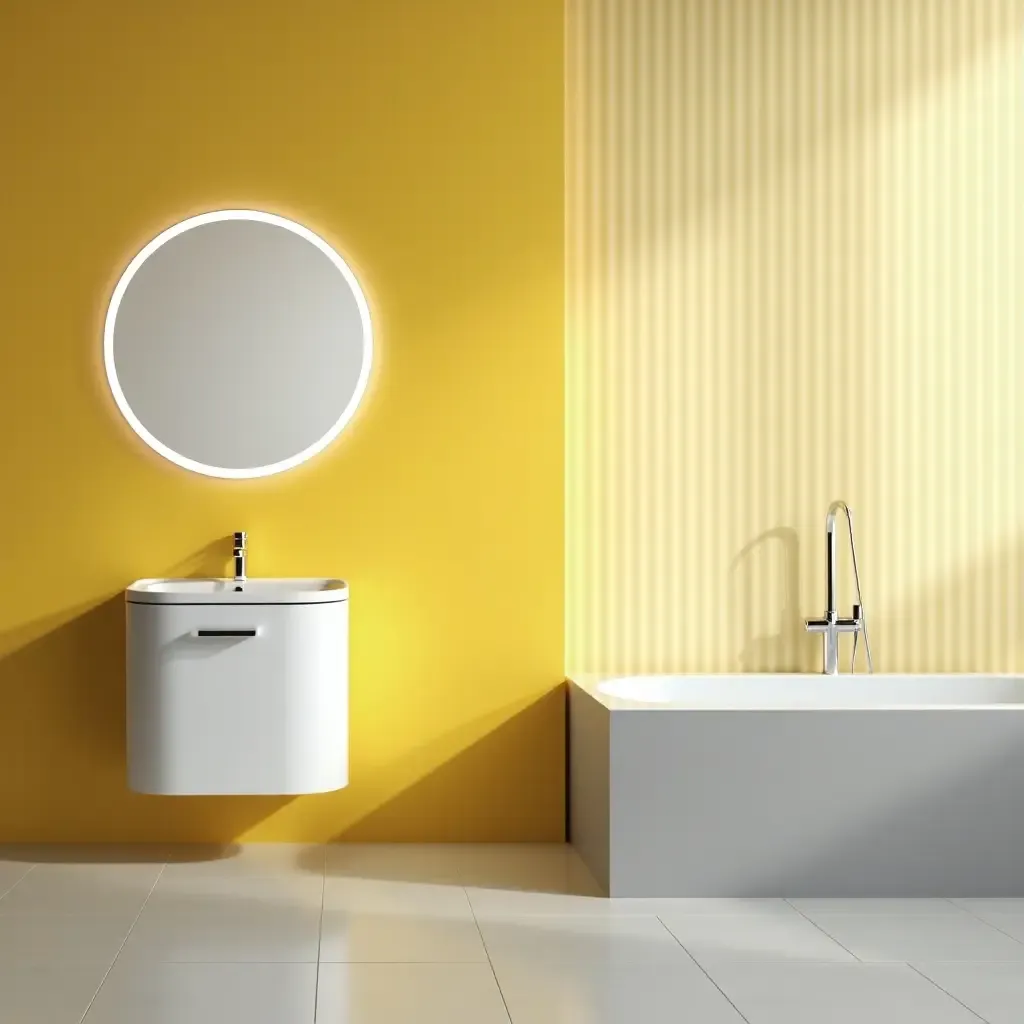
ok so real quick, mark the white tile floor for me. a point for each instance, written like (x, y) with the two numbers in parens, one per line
(469, 935)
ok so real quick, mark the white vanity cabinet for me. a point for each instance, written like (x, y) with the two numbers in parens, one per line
(237, 690)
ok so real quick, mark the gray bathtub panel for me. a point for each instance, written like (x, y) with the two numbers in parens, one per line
(589, 804)
(918, 802)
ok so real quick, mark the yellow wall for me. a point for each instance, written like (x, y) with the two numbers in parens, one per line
(794, 273)
(424, 140)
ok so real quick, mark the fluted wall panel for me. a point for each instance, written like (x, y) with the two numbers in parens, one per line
(793, 274)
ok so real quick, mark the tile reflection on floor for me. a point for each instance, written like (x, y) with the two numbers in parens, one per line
(469, 935)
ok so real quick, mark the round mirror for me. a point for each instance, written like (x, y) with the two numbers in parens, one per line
(237, 344)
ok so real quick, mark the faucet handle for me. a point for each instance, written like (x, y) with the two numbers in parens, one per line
(240, 539)
(858, 612)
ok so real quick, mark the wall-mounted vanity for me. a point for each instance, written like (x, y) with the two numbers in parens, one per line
(237, 688)
(237, 344)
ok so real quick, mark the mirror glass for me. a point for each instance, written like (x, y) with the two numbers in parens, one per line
(237, 344)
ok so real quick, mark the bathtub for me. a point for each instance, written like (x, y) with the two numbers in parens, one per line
(799, 785)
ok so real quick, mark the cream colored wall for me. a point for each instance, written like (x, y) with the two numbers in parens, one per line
(794, 274)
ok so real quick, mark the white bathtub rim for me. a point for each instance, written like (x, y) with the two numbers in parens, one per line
(591, 684)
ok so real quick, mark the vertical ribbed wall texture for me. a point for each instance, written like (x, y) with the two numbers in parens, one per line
(794, 274)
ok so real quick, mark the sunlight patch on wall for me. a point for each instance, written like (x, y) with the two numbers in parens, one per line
(793, 275)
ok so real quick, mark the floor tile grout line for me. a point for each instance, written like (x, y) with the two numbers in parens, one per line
(320, 936)
(487, 953)
(21, 878)
(970, 913)
(276, 962)
(700, 967)
(978, 917)
(822, 930)
(378, 961)
(124, 942)
(932, 981)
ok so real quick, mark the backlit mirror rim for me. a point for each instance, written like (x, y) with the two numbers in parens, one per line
(155, 443)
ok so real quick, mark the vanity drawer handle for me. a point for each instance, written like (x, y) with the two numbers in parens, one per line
(250, 631)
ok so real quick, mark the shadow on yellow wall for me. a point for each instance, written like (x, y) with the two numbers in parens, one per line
(523, 741)
(62, 740)
(62, 737)
(63, 744)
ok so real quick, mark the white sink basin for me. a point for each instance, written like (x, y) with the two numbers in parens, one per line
(314, 590)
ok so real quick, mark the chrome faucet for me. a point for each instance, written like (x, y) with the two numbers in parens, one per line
(831, 626)
(239, 556)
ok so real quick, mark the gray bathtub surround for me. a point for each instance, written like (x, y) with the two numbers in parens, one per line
(799, 785)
